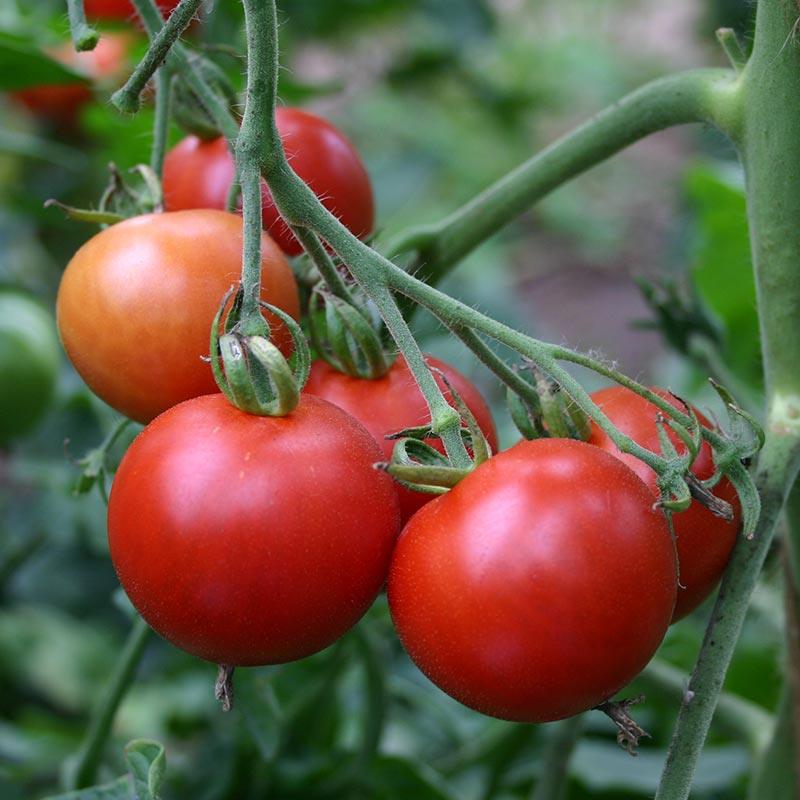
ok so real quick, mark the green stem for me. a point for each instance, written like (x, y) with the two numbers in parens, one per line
(178, 61)
(771, 156)
(770, 147)
(739, 717)
(128, 98)
(707, 95)
(161, 122)
(552, 782)
(324, 263)
(777, 468)
(84, 36)
(733, 48)
(258, 104)
(83, 770)
(300, 207)
(511, 378)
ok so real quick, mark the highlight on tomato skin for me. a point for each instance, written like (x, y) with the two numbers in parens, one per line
(539, 586)
(704, 541)
(393, 402)
(198, 174)
(222, 534)
(137, 300)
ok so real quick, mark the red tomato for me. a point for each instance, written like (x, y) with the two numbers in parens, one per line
(704, 542)
(252, 540)
(539, 586)
(62, 102)
(198, 174)
(121, 9)
(394, 402)
(136, 303)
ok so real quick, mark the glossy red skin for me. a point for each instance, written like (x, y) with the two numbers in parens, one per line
(394, 402)
(250, 540)
(121, 9)
(62, 103)
(539, 586)
(198, 174)
(136, 303)
(704, 542)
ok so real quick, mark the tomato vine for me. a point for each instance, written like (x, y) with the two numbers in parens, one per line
(755, 104)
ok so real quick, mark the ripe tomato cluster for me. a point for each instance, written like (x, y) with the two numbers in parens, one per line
(536, 588)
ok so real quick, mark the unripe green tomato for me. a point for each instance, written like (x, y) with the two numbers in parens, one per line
(28, 363)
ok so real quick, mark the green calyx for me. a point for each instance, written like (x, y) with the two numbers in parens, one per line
(249, 369)
(345, 336)
(545, 410)
(422, 468)
(120, 199)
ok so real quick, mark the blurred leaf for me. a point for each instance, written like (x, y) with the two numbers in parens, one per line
(30, 635)
(398, 778)
(23, 64)
(24, 144)
(146, 764)
(721, 265)
(603, 765)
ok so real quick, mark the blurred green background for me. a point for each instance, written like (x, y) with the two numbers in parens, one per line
(441, 97)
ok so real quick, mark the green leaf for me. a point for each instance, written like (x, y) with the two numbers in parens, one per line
(393, 778)
(146, 765)
(721, 265)
(23, 64)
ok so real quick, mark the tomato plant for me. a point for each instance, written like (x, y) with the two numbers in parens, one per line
(198, 174)
(221, 528)
(62, 103)
(704, 541)
(393, 402)
(28, 363)
(136, 302)
(539, 586)
(543, 578)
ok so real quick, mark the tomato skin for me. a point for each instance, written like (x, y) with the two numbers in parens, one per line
(121, 9)
(28, 363)
(394, 402)
(539, 586)
(136, 303)
(250, 540)
(62, 103)
(704, 542)
(198, 174)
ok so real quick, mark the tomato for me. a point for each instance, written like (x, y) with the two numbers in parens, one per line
(198, 174)
(704, 542)
(62, 102)
(136, 303)
(394, 402)
(539, 586)
(252, 540)
(121, 9)
(28, 363)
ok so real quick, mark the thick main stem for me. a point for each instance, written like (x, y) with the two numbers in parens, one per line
(777, 467)
(770, 148)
